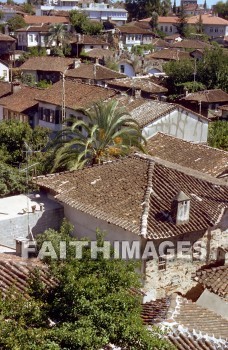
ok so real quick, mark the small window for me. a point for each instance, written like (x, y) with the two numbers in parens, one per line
(31, 38)
(211, 29)
(162, 28)
(170, 28)
(161, 263)
(216, 30)
(91, 46)
(166, 29)
(122, 68)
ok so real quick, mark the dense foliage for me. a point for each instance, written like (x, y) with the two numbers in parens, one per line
(13, 162)
(218, 135)
(109, 132)
(139, 9)
(211, 71)
(83, 25)
(16, 22)
(222, 9)
(90, 307)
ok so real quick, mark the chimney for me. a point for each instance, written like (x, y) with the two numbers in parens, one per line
(76, 63)
(21, 244)
(15, 87)
(180, 208)
(137, 93)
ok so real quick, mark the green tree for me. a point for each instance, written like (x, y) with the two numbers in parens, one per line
(199, 25)
(28, 8)
(58, 35)
(178, 72)
(165, 7)
(174, 7)
(218, 135)
(139, 9)
(90, 307)
(82, 24)
(16, 22)
(154, 21)
(221, 8)
(212, 71)
(182, 21)
(110, 133)
(1, 15)
(11, 180)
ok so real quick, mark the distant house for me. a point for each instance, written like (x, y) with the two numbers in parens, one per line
(187, 44)
(86, 43)
(38, 20)
(32, 36)
(213, 26)
(93, 73)
(138, 86)
(77, 95)
(127, 67)
(130, 36)
(205, 101)
(7, 46)
(156, 116)
(100, 55)
(4, 71)
(145, 199)
(21, 105)
(47, 68)
(208, 160)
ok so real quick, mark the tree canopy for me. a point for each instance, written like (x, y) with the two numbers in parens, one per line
(139, 9)
(218, 135)
(83, 25)
(91, 306)
(16, 22)
(109, 132)
(222, 9)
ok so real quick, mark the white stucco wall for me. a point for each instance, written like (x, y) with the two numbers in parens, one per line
(128, 69)
(4, 71)
(179, 123)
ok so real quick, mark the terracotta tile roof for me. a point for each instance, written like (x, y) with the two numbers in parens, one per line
(5, 89)
(191, 44)
(48, 64)
(163, 19)
(194, 317)
(21, 100)
(44, 28)
(160, 43)
(143, 84)
(169, 54)
(215, 279)
(155, 311)
(199, 157)
(127, 29)
(100, 53)
(188, 326)
(190, 7)
(45, 19)
(122, 194)
(4, 37)
(77, 94)
(89, 40)
(15, 272)
(93, 71)
(206, 18)
(208, 96)
(151, 110)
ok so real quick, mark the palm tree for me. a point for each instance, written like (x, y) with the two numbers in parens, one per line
(109, 133)
(58, 34)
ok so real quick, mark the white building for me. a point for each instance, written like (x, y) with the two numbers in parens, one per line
(32, 36)
(4, 71)
(95, 11)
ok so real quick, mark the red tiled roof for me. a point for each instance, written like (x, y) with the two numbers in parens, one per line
(21, 100)
(191, 44)
(169, 54)
(93, 71)
(49, 63)
(44, 28)
(4, 37)
(100, 53)
(16, 271)
(215, 279)
(89, 40)
(127, 29)
(5, 89)
(45, 19)
(135, 176)
(78, 95)
(199, 157)
(208, 96)
(206, 18)
(143, 84)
